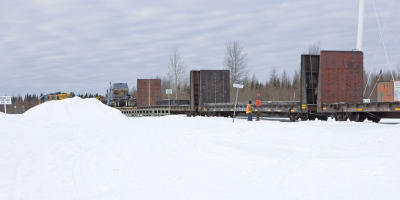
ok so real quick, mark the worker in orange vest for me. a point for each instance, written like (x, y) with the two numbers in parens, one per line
(249, 112)
(258, 104)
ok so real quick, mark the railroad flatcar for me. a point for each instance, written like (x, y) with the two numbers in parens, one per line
(331, 86)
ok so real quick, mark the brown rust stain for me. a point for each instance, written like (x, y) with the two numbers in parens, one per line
(148, 92)
(340, 77)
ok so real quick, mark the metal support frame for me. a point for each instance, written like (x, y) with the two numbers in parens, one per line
(234, 109)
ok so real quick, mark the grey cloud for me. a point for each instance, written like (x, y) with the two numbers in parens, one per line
(71, 45)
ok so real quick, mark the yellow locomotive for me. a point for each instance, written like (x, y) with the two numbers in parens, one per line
(54, 96)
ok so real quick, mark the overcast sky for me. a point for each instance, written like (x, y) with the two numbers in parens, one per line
(81, 45)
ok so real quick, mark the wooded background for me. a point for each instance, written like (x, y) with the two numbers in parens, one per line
(279, 86)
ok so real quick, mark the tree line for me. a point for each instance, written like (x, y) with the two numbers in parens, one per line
(282, 86)
(279, 86)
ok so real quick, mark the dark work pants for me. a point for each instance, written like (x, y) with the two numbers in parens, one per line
(249, 117)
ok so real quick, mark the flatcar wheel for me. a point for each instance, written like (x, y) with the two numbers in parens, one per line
(341, 117)
(376, 119)
(362, 117)
(337, 118)
(323, 118)
(353, 117)
(359, 117)
(293, 118)
(304, 117)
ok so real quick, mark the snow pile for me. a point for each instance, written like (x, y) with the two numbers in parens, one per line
(180, 158)
(73, 109)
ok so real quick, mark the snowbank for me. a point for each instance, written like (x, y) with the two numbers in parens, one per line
(73, 109)
(179, 158)
(4, 116)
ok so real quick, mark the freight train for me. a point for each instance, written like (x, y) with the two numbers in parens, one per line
(53, 96)
(331, 86)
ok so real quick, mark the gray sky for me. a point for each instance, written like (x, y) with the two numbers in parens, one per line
(76, 45)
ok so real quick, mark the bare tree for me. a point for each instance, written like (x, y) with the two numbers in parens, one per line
(176, 71)
(314, 49)
(235, 60)
(133, 92)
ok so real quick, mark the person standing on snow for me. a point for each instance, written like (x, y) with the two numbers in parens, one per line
(249, 112)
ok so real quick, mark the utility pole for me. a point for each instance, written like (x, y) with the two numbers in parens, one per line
(169, 92)
(360, 24)
(237, 86)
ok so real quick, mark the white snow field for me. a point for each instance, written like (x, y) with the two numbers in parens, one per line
(82, 149)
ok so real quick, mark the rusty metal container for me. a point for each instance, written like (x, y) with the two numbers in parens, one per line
(148, 92)
(385, 92)
(209, 86)
(194, 89)
(179, 102)
(214, 86)
(388, 91)
(309, 81)
(340, 77)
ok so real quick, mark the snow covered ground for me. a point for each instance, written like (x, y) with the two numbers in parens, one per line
(82, 149)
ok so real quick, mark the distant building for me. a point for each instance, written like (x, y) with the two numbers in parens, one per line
(120, 90)
(118, 95)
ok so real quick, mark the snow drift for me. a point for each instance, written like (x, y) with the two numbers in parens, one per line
(179, 158)
(73, 109)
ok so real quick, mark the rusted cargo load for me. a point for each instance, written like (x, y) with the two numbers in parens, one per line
(340, 77)
(194, 89)
(214, 86)
(209, 86)
(385, 92)
(178, 102)
(388, 91)
(148, 92)
(309, 81)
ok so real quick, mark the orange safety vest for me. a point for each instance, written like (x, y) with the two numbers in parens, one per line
(248, 109)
